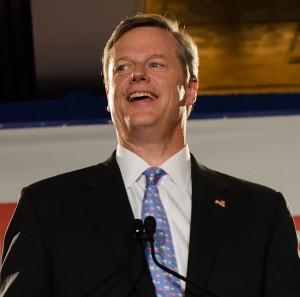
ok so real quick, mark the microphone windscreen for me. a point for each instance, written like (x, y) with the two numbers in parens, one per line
(150, 225)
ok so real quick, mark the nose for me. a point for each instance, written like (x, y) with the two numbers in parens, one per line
(139, 74)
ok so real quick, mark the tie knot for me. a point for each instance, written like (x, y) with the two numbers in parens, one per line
(153, 174)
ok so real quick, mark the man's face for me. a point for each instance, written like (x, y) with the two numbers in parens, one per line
(146, 82)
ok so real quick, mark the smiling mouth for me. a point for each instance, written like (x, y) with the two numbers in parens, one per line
(137, 96)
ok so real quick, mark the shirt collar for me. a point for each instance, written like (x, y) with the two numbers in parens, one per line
(131, 165)
(178, 167)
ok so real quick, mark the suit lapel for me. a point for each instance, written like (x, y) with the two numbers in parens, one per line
(110, 210)
(209, 219)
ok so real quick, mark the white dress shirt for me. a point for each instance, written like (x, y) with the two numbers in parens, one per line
(175, 191)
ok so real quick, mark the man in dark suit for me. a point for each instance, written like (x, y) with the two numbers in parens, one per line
(73, 234)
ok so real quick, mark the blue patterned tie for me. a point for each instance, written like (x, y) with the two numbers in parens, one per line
(165, 284)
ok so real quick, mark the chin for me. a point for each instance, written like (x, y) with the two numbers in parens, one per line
(140, 124)
(137, 121)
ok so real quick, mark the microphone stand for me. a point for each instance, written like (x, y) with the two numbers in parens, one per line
(150, 228)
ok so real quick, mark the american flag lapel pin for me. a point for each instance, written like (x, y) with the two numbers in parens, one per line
(221, 203)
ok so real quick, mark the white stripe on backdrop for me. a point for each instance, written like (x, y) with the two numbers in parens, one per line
(262, 149)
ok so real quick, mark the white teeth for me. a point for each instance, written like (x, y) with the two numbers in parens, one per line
(140, 94)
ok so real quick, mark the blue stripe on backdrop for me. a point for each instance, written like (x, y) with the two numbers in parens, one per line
(81, 107)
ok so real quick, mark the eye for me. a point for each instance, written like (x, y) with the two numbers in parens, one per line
(122, 68)
(156, 65)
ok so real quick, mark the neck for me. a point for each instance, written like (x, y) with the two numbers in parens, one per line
(154, 149)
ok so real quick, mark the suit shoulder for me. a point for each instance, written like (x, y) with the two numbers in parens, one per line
(68, 180)
(223, 180)
(246, 184)
(243, 189)
(249, 196)
(253, 195)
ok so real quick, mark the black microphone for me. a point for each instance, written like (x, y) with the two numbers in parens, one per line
(149, 228)
(139, 230)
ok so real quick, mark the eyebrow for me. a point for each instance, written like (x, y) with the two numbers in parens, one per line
(160, 56)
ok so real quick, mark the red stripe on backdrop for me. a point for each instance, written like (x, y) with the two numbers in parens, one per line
(297, 222)
(6, 211)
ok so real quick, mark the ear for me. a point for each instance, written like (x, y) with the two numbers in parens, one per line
(191, 91)
(106, 91)
(106, 88)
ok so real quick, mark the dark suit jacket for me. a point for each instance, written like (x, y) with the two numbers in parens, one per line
(72, 236)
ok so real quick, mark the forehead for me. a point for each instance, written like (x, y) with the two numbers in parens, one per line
(145, 40)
